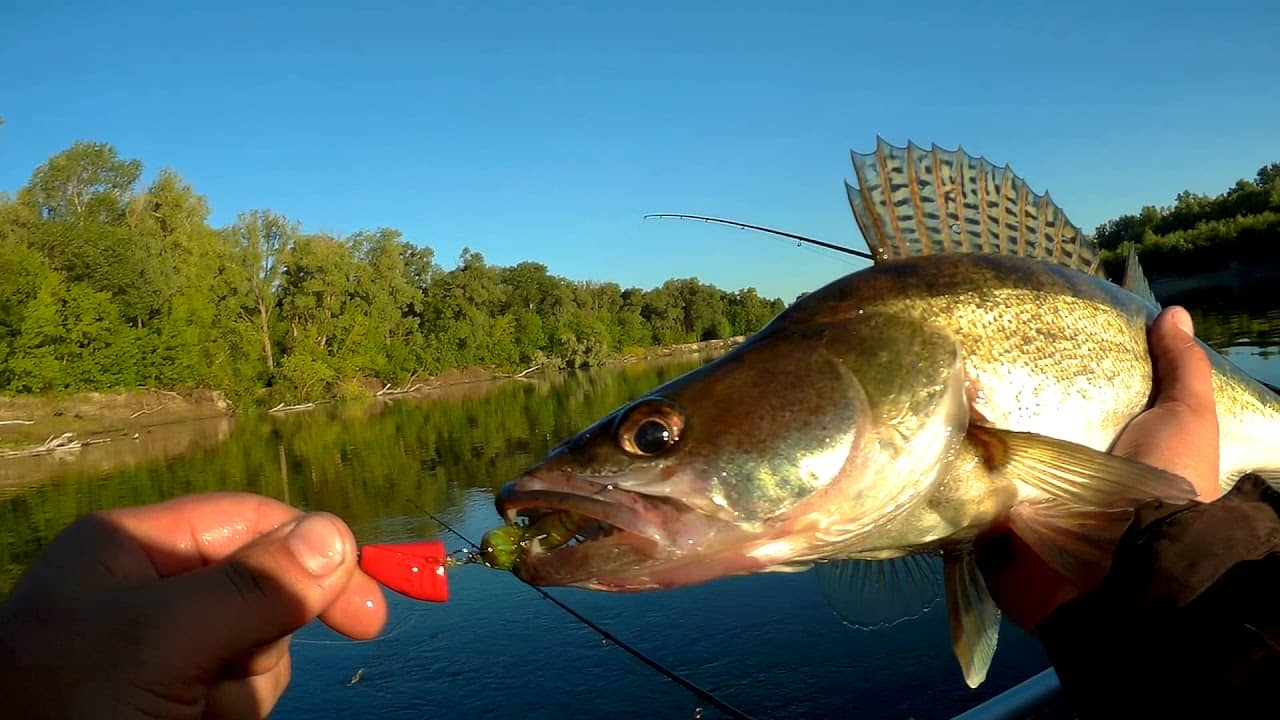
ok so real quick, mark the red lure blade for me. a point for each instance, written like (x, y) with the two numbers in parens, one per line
(413, 569)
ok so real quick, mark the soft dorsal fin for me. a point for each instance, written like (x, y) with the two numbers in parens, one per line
(1134, 279)
(911, 201)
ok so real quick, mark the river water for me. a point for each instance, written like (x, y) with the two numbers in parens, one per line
(767, 644)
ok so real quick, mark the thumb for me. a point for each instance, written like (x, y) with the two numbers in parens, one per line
(1183, 373)
(1179, 433)
(264, 591)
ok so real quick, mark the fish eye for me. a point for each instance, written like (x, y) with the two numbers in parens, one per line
(649, 429)
(651, 437)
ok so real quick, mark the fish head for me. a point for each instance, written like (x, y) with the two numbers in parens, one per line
(743, 465)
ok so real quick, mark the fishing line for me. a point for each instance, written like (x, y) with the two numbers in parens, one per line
(822, 253)
(384, 636)
(802, 242)
(760, 228)
(670, 674)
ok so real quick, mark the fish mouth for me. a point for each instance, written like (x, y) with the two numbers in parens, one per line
(598, 533)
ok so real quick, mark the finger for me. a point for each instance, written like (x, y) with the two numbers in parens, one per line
(198, 530)
(1185, 402)
(249, 698)
(360, 612)
(89, 556)
(1182, 369)
(158, 540)
(269, 589)
(257, 661)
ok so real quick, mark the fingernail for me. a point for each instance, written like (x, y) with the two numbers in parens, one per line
(1182, 319)
(317, 544)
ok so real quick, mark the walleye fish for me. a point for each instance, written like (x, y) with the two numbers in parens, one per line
(969, 382)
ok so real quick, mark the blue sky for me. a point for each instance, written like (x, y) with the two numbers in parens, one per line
(546, 131)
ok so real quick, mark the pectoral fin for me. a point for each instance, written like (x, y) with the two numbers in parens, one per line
(1075, 473)
(1077, 542)
(975, 620)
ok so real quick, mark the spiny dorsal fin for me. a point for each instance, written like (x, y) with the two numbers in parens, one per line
(911, 201)
(1134, 279)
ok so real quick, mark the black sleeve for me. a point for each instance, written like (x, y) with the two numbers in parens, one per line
(1187, 621)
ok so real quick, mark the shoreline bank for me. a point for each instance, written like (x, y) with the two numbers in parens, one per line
(42, 426)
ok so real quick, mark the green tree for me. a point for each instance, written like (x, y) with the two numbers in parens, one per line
(124, 264)
(71, 338)
(22, 272)
(259, 237)
(461, 306)
(747, 312)
(1199, 233)
(387, 286)
(189, 341)
(105, 285)
(87, 182)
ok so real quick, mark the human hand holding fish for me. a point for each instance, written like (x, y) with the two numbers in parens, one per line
(1179, 433)
(1189, 601)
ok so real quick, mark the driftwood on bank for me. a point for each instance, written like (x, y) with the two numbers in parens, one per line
(282, 408)
(65, 441)
(410, 387)
(146, 410)
(520, 375)
(663, 351)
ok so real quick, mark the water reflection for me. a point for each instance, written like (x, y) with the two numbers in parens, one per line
(155, 444)
(1248, 336)
(1225, 330)
(372, 463)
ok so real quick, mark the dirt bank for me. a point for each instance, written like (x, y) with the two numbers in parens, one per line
(27, 422)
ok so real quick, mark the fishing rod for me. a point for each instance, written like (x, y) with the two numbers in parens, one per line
(761, 228)
(670, 674)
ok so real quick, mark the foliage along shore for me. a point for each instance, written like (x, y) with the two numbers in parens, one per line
(1201, 241)
(34, 425)
(107, 285)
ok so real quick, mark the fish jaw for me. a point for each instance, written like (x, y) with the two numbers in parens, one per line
(636, 541)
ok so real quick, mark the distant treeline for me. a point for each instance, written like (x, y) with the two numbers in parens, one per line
(107, 285)
(1199, 233)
